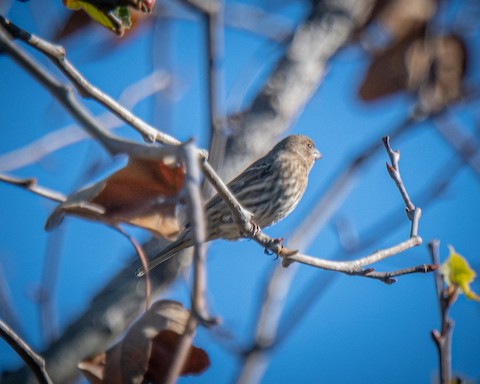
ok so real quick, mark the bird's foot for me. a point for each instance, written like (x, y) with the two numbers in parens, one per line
(252, 231)
(274, 247)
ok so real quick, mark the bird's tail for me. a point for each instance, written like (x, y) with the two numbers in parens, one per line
(166, 253)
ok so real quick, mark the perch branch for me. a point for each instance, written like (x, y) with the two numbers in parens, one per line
(241, 216)
(251, 230)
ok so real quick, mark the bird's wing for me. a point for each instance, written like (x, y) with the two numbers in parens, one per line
(256, 171)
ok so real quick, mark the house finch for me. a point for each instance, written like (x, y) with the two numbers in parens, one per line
(270, 188)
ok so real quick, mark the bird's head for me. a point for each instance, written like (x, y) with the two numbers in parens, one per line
(303, 146)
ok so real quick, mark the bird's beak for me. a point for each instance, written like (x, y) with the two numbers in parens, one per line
(317, 155)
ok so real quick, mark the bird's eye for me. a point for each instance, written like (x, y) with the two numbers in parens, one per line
(310, 145)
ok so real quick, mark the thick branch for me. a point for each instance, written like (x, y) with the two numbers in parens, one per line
(295, 79)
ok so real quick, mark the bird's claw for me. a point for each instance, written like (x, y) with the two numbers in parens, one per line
(252, 231)
(255, 228)
(277, 243)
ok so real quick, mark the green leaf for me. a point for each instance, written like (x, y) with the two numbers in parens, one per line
(457, 273)
(114, 18)
(123, 14)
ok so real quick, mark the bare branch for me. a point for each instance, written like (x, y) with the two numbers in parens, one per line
(33, 361)
(57, 55)
(65, 96)
(442, 338)
(413, 213)
(195, 205)
(388, 277)
(353, 267)
(31, 185)
(198, 302)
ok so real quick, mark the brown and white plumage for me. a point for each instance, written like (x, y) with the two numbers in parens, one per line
(270, 188)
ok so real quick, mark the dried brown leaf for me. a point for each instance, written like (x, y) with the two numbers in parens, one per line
(143, 193)
(403, 17)
(436, 68)
(387, 72)
(433, 68)
(146, 351)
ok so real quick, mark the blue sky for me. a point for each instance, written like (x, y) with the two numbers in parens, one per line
(356, 330)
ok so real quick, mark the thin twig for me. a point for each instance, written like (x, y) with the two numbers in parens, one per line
(32, 186)
(388, 277)
(143, 259)
(195, 204)
(198, 302)
(393, 169)
(64, 94)
(443, 338)
(57, 55)
(33, 361)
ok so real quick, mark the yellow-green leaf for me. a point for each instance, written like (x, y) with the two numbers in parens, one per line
(114, 18)
(457, 272)
(123, 15)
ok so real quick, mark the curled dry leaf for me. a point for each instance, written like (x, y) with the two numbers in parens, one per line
(432, 68)
(145, 353)
(436, 68)
(402, 17)
(144, 193)
(387, 72)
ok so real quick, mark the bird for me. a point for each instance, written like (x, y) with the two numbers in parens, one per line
(270, 188)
